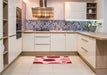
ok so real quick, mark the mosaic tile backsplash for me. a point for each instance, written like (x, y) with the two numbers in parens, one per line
(48, 25)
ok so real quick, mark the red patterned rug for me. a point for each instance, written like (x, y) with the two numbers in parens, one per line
(52, 60)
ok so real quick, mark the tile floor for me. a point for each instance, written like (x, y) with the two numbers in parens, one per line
(23, 66)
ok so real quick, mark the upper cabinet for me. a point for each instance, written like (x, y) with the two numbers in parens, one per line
(75, 10)
(1, 10)
(91, 10)
(12, 17)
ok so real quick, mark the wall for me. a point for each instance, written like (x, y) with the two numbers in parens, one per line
(57, 4)
(58, 8)
(29, 5)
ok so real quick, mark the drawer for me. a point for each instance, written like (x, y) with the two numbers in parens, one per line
(42, 40)
(85, 45)
(42, 34)
(42, 47)
(86, 42)
(84, 52)
(84, 39)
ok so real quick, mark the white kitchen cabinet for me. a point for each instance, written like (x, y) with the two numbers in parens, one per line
(42, 47)
(92, 52)
(1, 61)
(42, 42)
(28, 42)
(87, 48)
(1, 45)
(19, 45)
(12, 17)
(75, 10)
(12, 48)
(1, 9)
(1, 16)
(58, 41)
(1, 55)
(71, 42)
(1, 29)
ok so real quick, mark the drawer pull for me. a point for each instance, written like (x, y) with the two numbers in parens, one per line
(84, 49)
(42, 44)
(85, 40)
(42, 36)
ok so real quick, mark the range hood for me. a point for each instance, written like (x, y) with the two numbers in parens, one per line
(43, 11)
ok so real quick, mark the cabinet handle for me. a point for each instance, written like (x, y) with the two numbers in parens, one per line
(42, 36)
(85, 40)
(84, 49)
(42, 44)
(12, 35)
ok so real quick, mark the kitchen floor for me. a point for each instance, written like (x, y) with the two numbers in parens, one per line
(24, 66)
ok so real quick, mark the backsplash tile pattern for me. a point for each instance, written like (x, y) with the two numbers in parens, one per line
(48, 25)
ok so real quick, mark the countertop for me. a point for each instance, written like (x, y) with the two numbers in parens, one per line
(96, 35)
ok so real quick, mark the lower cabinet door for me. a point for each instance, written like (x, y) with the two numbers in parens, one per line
(19, 45)
(58, 42)
(92, 52)
(12, 49)
(71, 42)
(28, 42)
(1, 62)
(1, 55)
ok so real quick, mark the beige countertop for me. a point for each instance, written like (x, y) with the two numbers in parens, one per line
(49, 32)
(96, 35)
